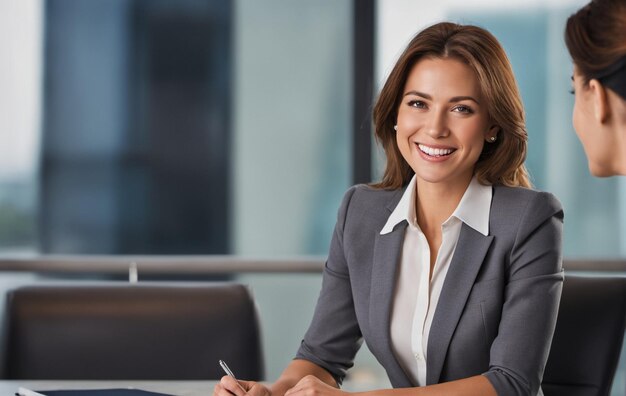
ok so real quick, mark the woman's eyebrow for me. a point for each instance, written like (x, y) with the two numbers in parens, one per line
(452, 100)
(417, 93)
(460, 98)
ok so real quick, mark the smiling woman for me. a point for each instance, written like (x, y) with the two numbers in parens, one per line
(449, 269)
(501, 161)
(442, 127)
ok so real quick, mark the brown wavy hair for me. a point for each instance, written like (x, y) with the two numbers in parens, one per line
(501, 162)
(596, 36)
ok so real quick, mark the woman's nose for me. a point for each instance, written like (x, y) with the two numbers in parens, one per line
(436, 125)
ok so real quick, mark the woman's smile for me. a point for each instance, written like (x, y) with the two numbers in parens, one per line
(435, 152)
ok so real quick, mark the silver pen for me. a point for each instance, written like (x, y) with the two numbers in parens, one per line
(228, 372)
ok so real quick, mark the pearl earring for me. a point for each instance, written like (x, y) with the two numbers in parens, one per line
(395, 127)
(492, 139)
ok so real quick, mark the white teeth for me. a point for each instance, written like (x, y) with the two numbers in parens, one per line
(433, 152)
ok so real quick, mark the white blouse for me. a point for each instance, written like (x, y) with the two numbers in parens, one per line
(415, 298)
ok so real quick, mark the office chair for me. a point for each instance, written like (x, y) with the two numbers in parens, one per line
(588, 337)
(141, 331)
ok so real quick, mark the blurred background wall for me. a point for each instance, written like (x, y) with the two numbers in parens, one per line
(160, 127)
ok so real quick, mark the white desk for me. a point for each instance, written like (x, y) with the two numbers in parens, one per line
(178, 388)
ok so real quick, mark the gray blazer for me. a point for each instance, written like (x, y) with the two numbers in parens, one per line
(497, 310)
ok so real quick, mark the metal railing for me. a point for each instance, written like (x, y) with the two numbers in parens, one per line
(214, 264)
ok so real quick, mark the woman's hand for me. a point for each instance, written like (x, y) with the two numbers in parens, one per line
(311, 385)
(228, 387)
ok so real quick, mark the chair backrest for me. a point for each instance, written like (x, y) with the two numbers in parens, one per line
(588, 337)
(141, 331)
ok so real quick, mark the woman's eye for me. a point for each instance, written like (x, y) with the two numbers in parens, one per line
(463, 109)
(572, 91)
(417, 104)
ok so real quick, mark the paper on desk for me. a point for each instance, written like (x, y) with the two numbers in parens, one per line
(27, 392)
(90, 392)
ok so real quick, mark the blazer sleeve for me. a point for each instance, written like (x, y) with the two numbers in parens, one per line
(334, 337)
(531, 299)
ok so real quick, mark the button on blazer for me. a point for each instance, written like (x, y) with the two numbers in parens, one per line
(497, 310)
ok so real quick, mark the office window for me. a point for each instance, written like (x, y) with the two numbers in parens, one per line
(135, 139)
(20, 121)
(186, 127)
(292, 115)
(106, 108)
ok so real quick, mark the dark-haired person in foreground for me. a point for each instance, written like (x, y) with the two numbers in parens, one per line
(596, 39)
(450, 268)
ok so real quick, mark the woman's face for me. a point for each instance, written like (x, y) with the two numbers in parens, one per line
(442, 122)
(597, 144)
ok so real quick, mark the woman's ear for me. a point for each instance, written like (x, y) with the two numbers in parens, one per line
(492, 133)
(601, 106)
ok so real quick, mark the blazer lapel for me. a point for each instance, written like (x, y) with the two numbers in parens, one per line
(468, 257)
(387, 249)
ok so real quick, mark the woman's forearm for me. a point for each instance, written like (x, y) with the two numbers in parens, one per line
(311, 384)
(477, 385)
(295, 371)
(473, 386)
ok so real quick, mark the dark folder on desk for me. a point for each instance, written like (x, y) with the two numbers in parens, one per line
(101, 392)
